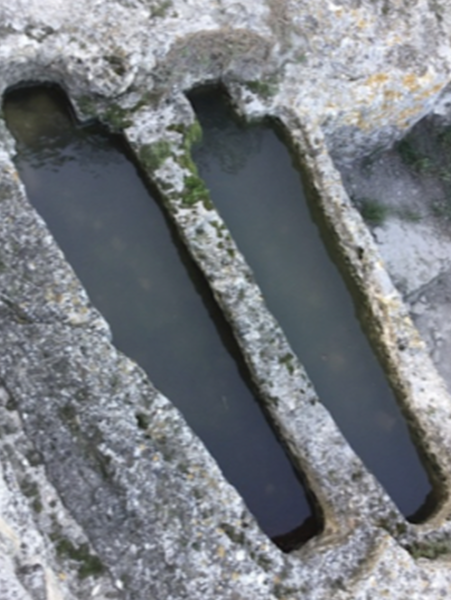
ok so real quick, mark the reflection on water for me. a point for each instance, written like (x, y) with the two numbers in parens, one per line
(260, 196)
(162, 315)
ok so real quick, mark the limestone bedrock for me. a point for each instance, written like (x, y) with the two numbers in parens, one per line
(91, 504)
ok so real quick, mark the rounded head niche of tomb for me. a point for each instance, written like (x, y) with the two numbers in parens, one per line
(363, 72)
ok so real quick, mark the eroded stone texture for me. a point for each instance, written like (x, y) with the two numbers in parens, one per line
(408, 187)
(104, 490)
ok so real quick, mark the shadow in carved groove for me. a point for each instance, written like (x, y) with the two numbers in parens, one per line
(126, 253)
(259, 193)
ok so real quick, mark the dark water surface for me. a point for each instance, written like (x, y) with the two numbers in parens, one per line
(259, 193)
(124, 251)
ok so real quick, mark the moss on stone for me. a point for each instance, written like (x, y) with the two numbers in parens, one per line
(142, 420)
(265, 89)
(430, 550)
(192, 134)
(219, 228)
(116, 118)
(194, 192)
(283, 592)
(152, 156)
(29, 488)
(90, 565)
(373, 211)
(413, 157)
(68, 415)
(37, 505)
(116, 63)
(287, 360)
(148, 99)
(195, 189)
(186, 162)
(160, 9)
(87, 106)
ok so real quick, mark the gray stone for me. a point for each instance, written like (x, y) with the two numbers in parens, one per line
(93, 504)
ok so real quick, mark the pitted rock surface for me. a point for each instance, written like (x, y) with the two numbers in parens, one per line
(92, 504)
(413, 229)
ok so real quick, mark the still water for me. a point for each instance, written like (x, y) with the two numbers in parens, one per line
(125, 252)
(259, 193)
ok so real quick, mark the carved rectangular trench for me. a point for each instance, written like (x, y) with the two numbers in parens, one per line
(161, 312)
(259, 194)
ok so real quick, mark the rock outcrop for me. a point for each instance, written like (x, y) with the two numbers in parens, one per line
(104, 490)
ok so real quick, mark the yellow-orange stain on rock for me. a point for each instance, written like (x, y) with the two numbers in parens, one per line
(406, 117)
(427, 93)
(410, 81)
(377, 79)
(391, 95)
(361, 22)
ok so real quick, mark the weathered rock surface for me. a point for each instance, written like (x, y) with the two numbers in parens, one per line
(408, 187)
(92, 502)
